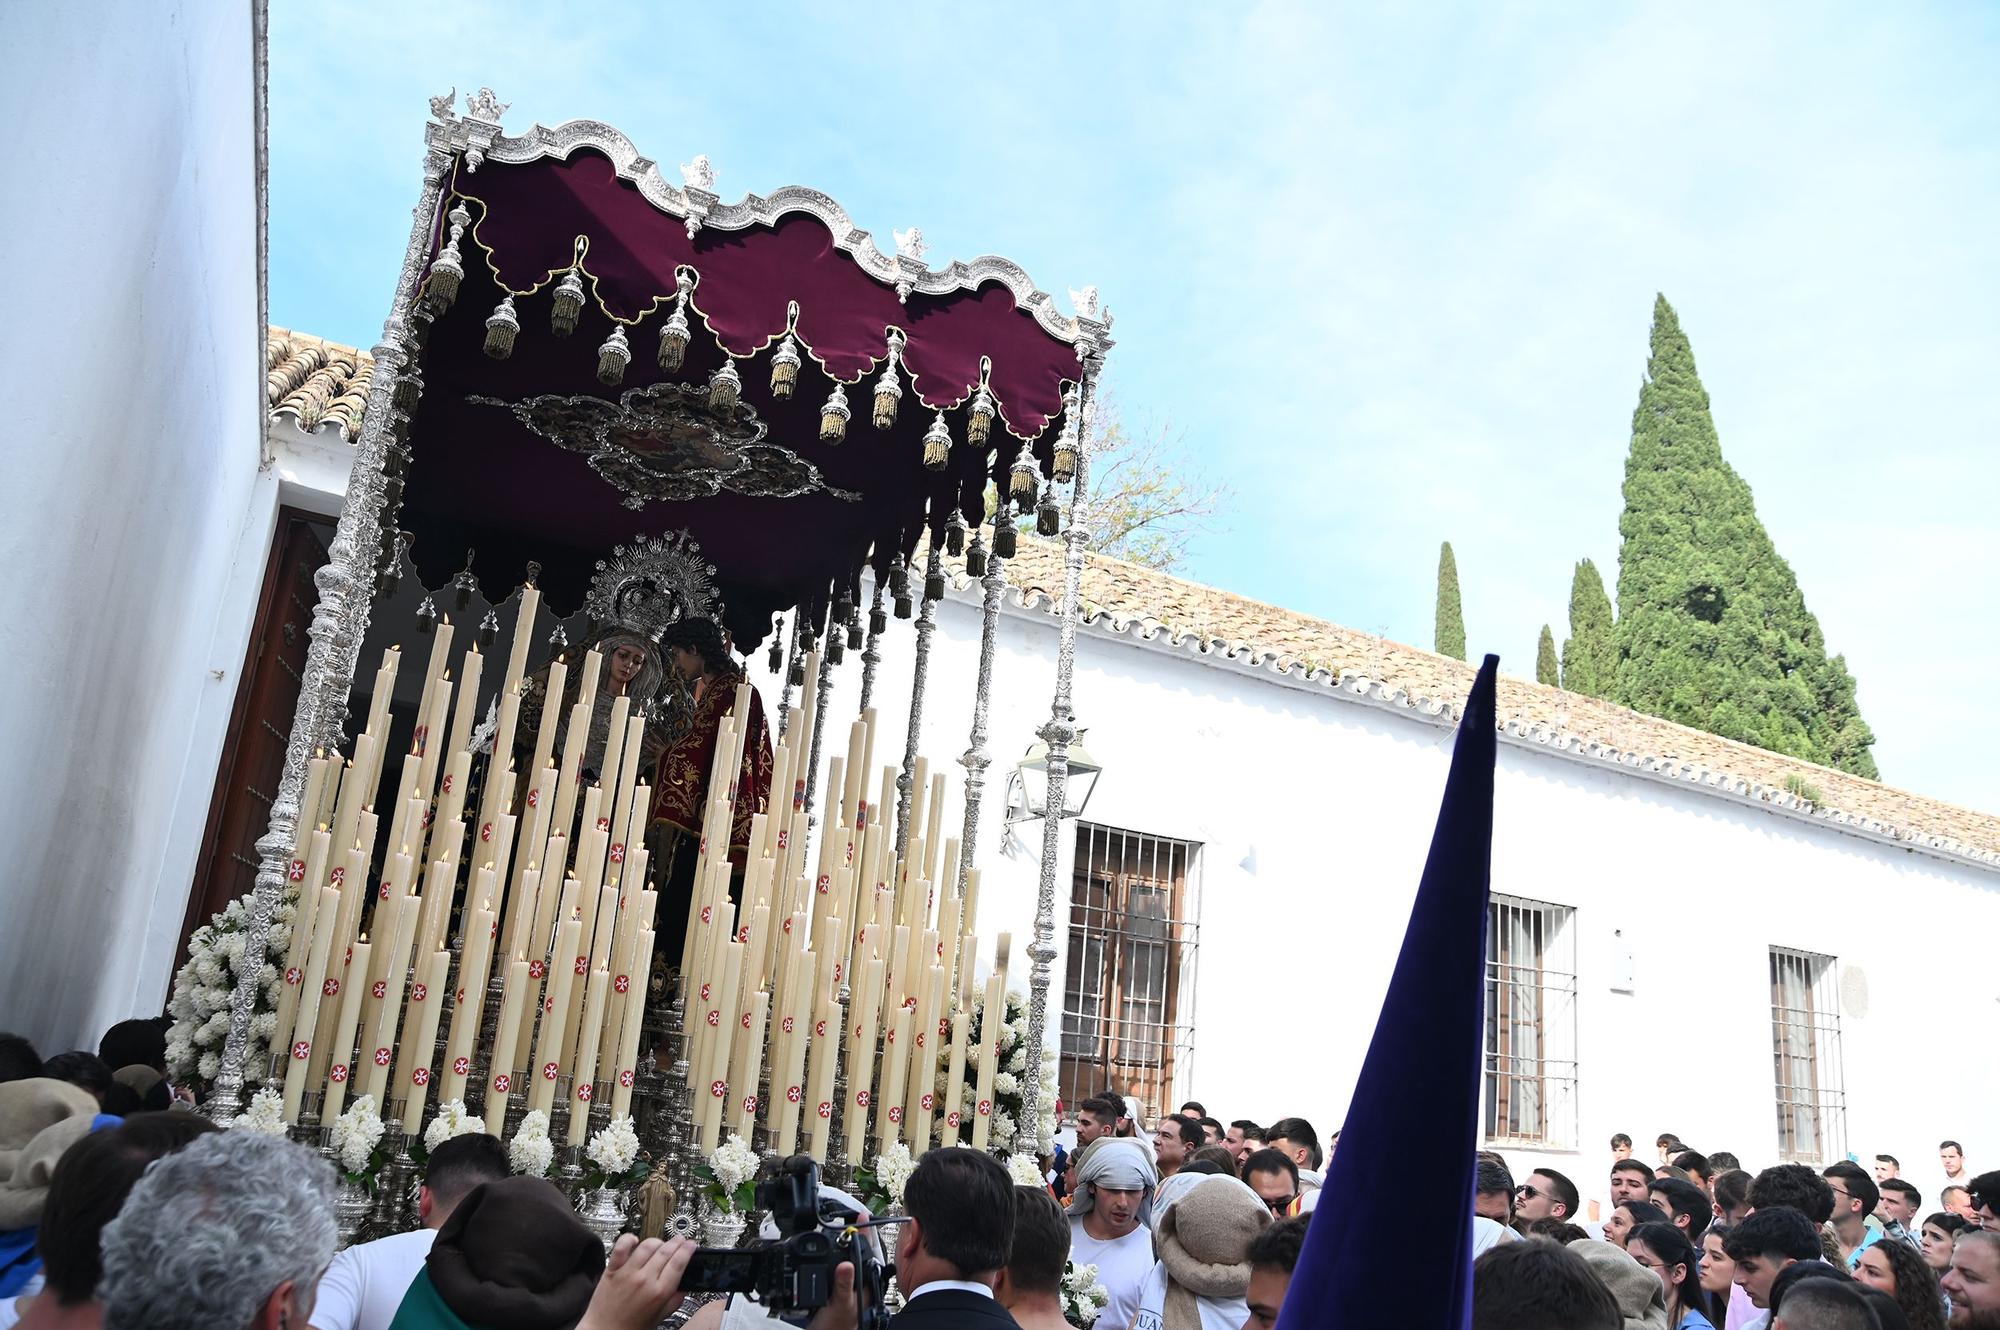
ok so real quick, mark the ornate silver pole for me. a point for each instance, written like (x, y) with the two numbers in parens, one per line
(926, 625)
(819, 729)
(977, 757)
(1058, 734)
(340, 618)
(791, 663)
(871, 655)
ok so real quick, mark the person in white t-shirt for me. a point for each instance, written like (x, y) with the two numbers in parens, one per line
(365, 1285)
(1108, 1221)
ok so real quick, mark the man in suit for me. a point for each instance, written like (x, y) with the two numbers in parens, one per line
(951, 1249)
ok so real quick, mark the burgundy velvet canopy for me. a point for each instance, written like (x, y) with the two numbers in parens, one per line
(531, 458)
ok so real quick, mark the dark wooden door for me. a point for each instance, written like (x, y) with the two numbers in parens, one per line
(267, 693)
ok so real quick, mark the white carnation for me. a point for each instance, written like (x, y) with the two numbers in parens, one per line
(355, 1134)
(1017, 1061)
(530, 1151)
(615, 1148)
(451, 1120)
(263, 1023)
(209, 1065)
(266, 1114)
(1025, 1171)
(1005, 1082)
(733, 1164)
(892, 1170)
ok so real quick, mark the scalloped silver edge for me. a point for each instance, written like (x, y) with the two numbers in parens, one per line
(1515, 729)
(703, 209)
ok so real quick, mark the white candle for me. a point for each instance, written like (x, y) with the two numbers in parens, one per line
(340, 1044)
(631, 1020)
(597, 988)
(500, 1074)
(954, 1081)
(989, 1054)
(420, 1023)
(895, 1066)
(469, 1001)
(326, 916)
(524, 633)
(387, 995)
(555, 1017)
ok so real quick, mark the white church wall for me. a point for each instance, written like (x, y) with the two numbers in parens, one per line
(1315, 809)
(132, 390)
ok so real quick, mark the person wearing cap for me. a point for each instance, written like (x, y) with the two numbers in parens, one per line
(40, 1119)
(1108, 1221)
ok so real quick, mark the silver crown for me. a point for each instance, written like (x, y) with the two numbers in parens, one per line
(653, 582)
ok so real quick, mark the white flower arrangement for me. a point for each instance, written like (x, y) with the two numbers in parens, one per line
(451, 1120)
(1005, 1130)
(531, 1152)
(892, 1171)
(729, 1173)
(1025, 1171)
(355, 1135)
(266, 1114)
(615, 1148)
(1083, 1296)
(206, 986)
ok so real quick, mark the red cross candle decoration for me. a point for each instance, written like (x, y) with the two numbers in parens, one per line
(584, 1091)
(707, 916)
(863, 1098)
(715, 1018)
(293, 974)
(794, 1093)
(459, 996)
(486, 831)
(896, 1114)
(718, 1089)
(986, 1108)
(622, 984)
(380, 990)
(502, 1083)
(750, 1103)
(536, 969)
(447, 782)
(825, 1108)
(419, 992)
(618, 853)
(824, 882)
(604, 824)
(928, 1102)
(583, 965)
(420, 1076)
(535, 797)
(461, 1066)
(819, 1029)
(550, 1071)
(339, 874)
(625, 1078)
(385, 890)
(786, 1025)
(746, 1020)
(302, 1049)
(297, 872)
(381, 1057)
(704, 990)
(951, 1119)
(337, 1073)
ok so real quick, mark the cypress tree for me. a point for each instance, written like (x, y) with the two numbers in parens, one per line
(1713, 631)
(1545, 659)
(1590, 653)
(1450, 615)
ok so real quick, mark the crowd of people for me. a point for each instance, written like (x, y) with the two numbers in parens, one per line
(117, 1210)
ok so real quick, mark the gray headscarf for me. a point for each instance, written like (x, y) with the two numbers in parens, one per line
(1117, 1162)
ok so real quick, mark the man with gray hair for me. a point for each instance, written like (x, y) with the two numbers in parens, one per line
(230, 1233)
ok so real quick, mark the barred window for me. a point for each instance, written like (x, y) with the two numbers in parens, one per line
(1805, 1056)
(1128, 999)
(1530, 1084)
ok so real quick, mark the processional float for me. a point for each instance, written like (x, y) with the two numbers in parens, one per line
(636, 400)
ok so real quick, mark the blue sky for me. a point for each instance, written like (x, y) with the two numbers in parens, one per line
(1387, 270)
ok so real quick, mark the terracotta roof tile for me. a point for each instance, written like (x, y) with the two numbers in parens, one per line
(315, 381)
(1142, 602)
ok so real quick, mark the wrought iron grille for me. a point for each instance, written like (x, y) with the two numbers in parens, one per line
(1530, 1084)
(1128, 998)
(1805, 1056)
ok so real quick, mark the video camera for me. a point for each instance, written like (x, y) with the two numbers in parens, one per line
(793, 1275)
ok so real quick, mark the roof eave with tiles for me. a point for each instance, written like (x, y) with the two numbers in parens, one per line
(1129, 600)
(316, 382)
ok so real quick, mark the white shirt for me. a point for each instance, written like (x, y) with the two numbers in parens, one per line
(941, 1285)
(1122, 1266)
(1216, 1313)
(365, 1285)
